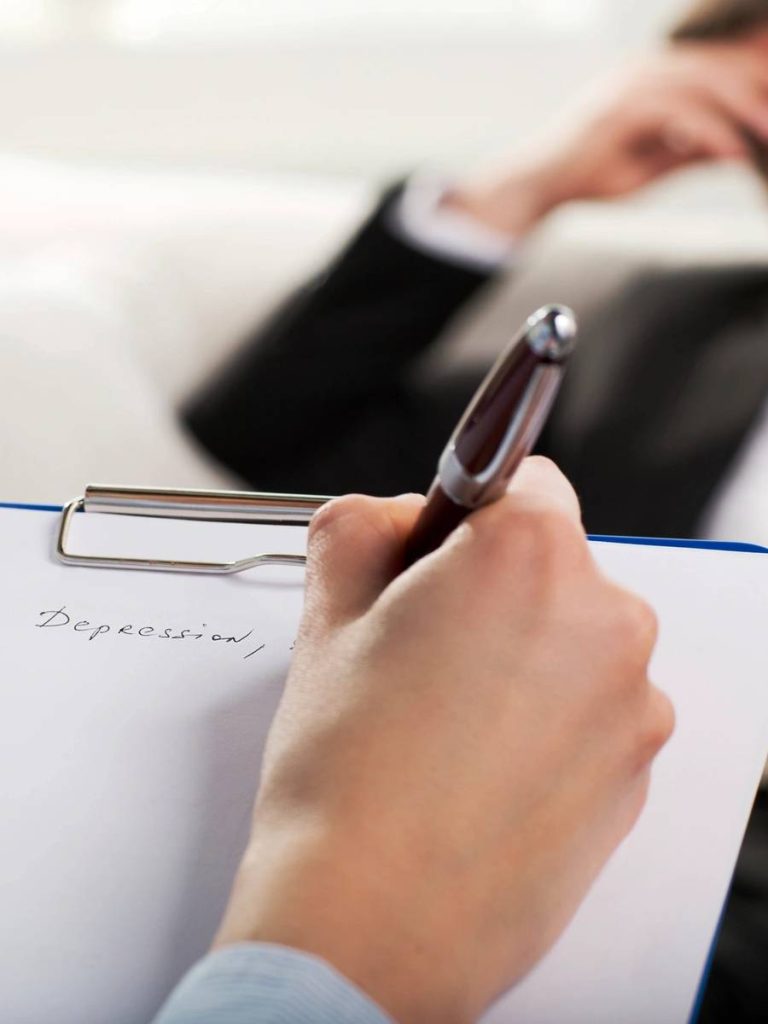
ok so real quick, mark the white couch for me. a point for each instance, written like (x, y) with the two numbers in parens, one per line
(119, 291)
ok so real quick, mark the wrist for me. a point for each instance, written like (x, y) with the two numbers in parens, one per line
(516, 203)
(331, 899)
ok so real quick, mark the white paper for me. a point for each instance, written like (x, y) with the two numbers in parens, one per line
(129, 762)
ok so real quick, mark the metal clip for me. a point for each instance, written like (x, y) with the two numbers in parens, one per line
(212, 506)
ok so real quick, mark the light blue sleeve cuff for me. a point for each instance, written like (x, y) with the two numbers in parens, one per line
(258, 983)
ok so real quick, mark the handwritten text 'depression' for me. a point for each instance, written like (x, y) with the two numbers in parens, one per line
(93, 629)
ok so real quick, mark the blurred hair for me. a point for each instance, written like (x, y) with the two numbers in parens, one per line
(710, 20)
(720, 19)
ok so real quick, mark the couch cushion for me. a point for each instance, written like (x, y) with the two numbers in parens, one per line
(75, 405)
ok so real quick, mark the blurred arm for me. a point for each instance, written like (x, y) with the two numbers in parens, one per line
(318, 388)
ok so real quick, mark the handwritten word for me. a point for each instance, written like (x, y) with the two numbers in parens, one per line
(60, 618)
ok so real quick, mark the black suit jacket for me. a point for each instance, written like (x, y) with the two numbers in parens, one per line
(330, 395)
(668, 380)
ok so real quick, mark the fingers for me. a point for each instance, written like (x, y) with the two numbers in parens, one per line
(741, 97)
(534, 532)
(696, 131)
(538, 479)
(539, 518)
(356, 546)
(356, 543)
(730, 83)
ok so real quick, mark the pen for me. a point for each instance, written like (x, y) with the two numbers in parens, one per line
(499, 427)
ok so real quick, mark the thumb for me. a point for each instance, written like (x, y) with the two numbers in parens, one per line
(356, 548)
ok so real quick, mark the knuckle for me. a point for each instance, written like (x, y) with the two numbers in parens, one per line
(544, 534)
(657, 728)
(638, 626)
(541, 479)
(664, 724)
(556, 527)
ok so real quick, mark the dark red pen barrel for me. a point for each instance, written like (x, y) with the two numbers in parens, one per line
(499, 427)
(439, 518)
(487, 421)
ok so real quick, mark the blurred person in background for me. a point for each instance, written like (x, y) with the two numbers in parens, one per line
(662, 424)
(343, 357)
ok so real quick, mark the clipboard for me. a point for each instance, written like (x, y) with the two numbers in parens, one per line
(296, 510)
(261, 508)
(264, 508)
(211, 506)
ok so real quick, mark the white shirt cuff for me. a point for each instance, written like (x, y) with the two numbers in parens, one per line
(420, 219)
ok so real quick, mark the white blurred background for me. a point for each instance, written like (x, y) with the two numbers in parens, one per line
(170, 168)
(332, 86)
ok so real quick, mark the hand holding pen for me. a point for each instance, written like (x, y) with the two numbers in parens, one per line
(449, 766)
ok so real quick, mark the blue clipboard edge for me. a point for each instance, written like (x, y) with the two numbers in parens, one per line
(701, 991)
(679, 542)
(659, 542)
(601, 538)
(30, 508)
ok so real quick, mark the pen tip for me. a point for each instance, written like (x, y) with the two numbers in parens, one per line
(552, 333)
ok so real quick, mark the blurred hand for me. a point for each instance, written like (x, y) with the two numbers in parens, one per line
(458, 750)
(692, 103)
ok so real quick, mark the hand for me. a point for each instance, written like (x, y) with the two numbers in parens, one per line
(691, 103)
(459, 749)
